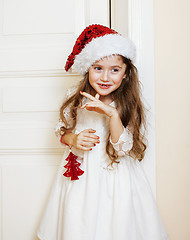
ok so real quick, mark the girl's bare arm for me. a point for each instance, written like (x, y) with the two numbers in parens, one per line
(116, 126)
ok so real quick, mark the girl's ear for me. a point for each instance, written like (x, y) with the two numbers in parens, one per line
(124, 76)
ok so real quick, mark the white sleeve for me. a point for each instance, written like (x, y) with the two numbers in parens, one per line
(67, 115)
(124, 144)
(58, 131)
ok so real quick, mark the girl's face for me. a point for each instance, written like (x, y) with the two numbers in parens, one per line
(106, 75)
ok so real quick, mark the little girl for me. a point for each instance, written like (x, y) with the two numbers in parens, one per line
(101, 191)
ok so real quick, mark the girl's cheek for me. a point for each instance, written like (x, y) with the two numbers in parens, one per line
(93, 75)
(117, 79)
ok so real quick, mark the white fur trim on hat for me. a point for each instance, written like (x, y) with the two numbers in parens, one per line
(104, 46)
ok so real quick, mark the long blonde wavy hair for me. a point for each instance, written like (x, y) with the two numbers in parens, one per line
(128, 103)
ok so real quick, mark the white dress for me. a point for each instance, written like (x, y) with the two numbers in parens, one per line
(105, 203)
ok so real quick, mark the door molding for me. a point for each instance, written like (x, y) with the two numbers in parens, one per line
(140, 31)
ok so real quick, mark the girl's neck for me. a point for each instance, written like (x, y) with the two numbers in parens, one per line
(106, 99)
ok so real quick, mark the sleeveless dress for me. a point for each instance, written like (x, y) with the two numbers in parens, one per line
(106, 202)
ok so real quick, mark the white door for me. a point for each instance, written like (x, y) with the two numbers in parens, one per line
(35, 39)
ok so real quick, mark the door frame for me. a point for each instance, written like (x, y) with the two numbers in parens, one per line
(141, 32)
(140, 29)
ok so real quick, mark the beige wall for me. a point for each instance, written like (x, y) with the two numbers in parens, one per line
(172, 85)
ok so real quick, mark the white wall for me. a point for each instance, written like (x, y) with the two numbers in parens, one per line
(172, 81)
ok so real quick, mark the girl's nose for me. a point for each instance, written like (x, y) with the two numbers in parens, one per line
(104, 76)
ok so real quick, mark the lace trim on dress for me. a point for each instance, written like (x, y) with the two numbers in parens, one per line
(124, 144)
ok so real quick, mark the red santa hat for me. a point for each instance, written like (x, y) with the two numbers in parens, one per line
(96, 42)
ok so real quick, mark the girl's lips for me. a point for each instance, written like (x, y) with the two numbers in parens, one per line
(104, 86)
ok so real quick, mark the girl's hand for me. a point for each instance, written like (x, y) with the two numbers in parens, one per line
(85, 140)
(97, 105)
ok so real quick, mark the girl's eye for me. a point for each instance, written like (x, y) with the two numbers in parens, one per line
(98, 68)
(115, 70)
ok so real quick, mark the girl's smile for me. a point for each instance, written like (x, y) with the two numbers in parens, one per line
(106, 75)
(104, 86)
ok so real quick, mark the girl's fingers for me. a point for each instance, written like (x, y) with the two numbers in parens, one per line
(97, 96)
(83, 106)
(88, 144)
(97, 106)
(91, 136)
(95, 100)
(90, 130)
(94, 104)
(90, 140)
(85, 148)
(89, 104)
(86, 140)
(87, 95)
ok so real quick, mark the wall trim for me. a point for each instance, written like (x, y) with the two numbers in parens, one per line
(32, 151)
(37, 73)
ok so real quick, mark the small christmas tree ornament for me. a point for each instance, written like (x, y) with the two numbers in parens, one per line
(72, 167)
